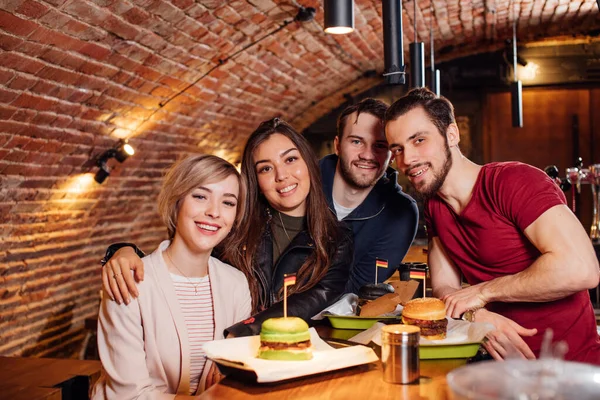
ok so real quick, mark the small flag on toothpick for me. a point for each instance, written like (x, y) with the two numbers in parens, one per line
(288, 280)
(417, 274)
(379, 263)
(421, 276)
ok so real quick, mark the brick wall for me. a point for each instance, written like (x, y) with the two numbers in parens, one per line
(76, 75)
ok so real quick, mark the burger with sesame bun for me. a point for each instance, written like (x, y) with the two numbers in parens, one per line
(429, 314)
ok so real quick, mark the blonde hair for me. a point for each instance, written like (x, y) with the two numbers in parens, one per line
(186, 175)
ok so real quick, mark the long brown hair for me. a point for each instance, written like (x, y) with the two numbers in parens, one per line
(243, 246)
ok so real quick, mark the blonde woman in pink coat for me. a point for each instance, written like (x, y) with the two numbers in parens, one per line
(151, 349)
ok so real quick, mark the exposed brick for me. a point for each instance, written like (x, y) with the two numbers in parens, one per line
(22, 82)
(15, 25)
(5, 113)
(94, 51)
(183, 4)
(9, 43)
(7, 96)
(120, 28)
(136, 16)
(19, 62)
(32, 9)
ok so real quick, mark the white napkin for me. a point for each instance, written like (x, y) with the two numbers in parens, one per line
(346, 306)
(243, 350)
(459, 332)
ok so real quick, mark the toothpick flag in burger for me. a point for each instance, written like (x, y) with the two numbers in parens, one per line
(287, 338)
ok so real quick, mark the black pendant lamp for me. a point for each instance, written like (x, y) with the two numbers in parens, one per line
(339, 16)
(435, 73)
(417, 58)
(393, 49)
(516, 87)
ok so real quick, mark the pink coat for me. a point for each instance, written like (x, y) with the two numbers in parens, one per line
(144, 346)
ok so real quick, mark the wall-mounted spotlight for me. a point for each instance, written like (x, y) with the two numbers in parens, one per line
(120, 153)
(339, 16)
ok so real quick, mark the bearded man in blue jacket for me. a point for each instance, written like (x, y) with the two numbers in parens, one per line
(364, 193)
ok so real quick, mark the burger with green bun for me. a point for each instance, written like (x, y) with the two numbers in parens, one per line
(285, 339)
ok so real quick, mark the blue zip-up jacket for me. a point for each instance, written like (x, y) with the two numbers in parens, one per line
(384, 225)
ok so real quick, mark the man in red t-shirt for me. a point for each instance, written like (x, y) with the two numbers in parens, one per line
(506, 228)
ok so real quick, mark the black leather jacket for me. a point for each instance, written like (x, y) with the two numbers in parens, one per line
(305, 304)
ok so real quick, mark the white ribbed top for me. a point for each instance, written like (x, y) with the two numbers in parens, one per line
(195, 300)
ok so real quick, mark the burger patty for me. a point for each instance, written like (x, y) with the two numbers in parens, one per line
(432, 331)
(421, 323)
(285, 346)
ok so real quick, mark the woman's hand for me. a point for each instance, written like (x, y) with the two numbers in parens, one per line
(117, 280)
(214, 376)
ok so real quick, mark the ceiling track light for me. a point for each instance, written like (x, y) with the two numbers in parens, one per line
(417, 58)
(393, 49)
(339, 16)
(305, 14)
(120, 152)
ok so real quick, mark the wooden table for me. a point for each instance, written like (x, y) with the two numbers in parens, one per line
(46, 378)
(362, 382)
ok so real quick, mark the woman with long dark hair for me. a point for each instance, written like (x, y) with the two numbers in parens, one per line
(286, 227)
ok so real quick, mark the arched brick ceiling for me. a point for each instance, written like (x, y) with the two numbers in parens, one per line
(103, 68)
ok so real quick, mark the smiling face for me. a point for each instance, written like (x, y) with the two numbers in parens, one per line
(206, 214)
(282, 174)
(420, 151)
(362, 150)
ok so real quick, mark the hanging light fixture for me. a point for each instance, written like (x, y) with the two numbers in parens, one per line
(393, 49)
(435, 73)
(417, 58)
(516, 87)
(339, 16)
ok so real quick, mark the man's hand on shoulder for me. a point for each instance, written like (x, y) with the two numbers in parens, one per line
(470, 298)
(506, 341)
(117, 280)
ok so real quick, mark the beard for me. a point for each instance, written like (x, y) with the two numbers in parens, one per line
(359, 182)
(426, 192)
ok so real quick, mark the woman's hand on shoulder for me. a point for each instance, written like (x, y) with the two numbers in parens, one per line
(117, 280)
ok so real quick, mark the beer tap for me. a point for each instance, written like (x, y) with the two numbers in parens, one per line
(552, 172)
(575, 177)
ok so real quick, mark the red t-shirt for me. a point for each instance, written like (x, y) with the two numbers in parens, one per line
(486, 241)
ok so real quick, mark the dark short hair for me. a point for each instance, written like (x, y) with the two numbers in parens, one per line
(376, 108)
(439, 109)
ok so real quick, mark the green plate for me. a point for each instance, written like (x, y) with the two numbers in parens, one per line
(355, 322)
(466, 350)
